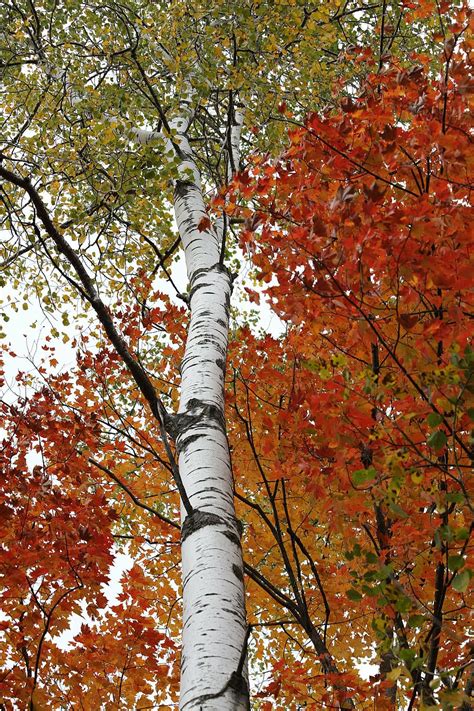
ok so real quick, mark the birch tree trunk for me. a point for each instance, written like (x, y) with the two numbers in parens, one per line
(213, 667)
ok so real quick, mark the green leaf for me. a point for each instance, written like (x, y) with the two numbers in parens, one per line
(461, 581)
(434, 419)
(393, 674)
(446, 533)
(385, 571)
(470, 413)
(372, 592)
(378, 624)
(353, 594)
(403, 604)
(461, 534)
(398, 510)
(437, 440)
(408, 656)
(362, 476)
(455, 497)
(416, 621)
(455, 562)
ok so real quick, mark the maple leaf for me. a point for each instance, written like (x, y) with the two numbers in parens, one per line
(204, 224)
(368, 360)
(408, 321)
(344, 194)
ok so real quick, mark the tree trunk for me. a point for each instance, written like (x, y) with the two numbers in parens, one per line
(213, 668)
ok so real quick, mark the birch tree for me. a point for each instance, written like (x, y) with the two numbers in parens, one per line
(112, 113)
(122, 122)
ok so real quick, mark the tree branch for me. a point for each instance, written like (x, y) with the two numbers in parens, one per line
(130, 493)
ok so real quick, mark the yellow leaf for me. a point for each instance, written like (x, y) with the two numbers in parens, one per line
(394, 674)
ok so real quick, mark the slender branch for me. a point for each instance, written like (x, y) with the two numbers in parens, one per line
(90, 292)
(49, 615)
(279, 597)
(382, 33)
(391, 353)
(435, 632)
(278, 534)
(163, 419)
(130, 493)
(317, 577)
(9, 260)
(293, 547)
(156, 102)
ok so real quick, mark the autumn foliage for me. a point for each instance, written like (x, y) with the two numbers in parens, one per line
(59, 522)
(351, 436)
(362, 415)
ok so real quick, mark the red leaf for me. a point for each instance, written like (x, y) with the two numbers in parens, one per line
(408, 321)
(204, 224)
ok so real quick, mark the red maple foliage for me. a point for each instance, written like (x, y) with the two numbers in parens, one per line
(362, 240)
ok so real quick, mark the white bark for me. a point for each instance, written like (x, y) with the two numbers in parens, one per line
(234, 148)
(214, 624)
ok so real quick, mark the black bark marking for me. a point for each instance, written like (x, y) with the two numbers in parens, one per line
(232, 537)
(181, 188)
(183, 444)
(195, 288)
(205, 411)
(197, 413)
(193, 403)
(238, 683)
(238, 572)
(197, 520)
(213, 268)
(198, 272)
(171, 425)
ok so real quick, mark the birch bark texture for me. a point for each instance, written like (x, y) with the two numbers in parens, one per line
(213, 668)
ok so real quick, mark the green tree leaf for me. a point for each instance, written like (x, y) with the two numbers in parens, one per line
(437, 440)
(362, 476)
(461, 581)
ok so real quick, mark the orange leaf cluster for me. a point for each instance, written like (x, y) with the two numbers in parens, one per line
(354, 433)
